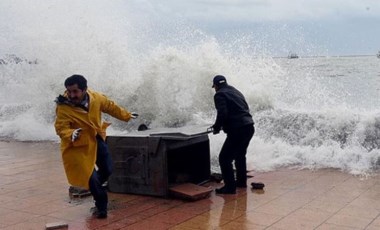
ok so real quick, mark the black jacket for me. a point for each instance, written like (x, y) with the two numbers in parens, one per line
(232, 109)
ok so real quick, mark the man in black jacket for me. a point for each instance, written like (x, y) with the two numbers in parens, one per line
(234, 118)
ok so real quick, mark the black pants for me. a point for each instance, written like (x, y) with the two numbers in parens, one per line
(235, 148)
(104, 163)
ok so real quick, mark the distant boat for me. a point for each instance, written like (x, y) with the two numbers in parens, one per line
(378, 54)
(292, 55)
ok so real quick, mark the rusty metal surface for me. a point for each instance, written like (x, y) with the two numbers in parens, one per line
(149, 164)
(175, 133)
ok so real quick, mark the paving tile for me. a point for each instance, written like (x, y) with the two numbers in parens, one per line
(376, 221)
(259, 218)
(148, 225)
(323, 205)
(153, 211)
(365, 202)
(15, 217)
(233, 225)
(349, 221)
(303, 219)
(4, 211)
(79, 225)
(373, 227)
(192, 209)
(358, 183)
(293, 223)
(280, 210)
(335, 227)
(5, 180)
(260, 197)
(244, 203)
(44, 208)
(310, 215)
(6, 198)
(202, 222)
(361, 212)
(291, 199)
(372, 193)
(208, 203)
(70, 214)
(172, 216)
(184, 228)
(124, 222)
(32, 224)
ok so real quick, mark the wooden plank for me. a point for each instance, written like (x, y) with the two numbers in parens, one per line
(190, 191)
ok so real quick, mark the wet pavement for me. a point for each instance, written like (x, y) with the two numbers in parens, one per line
(34, 192)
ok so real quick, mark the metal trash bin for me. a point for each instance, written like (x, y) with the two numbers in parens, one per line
(152, 161)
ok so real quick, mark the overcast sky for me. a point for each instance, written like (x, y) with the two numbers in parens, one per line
(277, 27)
(312, 27)
(271, 10)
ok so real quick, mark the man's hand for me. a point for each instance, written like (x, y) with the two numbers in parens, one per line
(75, 134)
(134, 115)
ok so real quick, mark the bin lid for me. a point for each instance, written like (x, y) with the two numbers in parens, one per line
(178, 135)
(182, 133)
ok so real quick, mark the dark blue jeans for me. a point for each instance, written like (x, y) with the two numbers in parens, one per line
(104, 163)
(235, 149)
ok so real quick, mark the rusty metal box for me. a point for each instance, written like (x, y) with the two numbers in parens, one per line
(150, 162)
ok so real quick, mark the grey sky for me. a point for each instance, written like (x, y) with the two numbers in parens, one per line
(275, 27)
(271, 10)
(319, 27)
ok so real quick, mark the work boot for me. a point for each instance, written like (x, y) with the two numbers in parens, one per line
(99, 214)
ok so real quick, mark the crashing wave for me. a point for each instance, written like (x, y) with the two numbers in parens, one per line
(14, 59)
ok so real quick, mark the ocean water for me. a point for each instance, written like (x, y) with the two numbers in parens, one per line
(311, 112)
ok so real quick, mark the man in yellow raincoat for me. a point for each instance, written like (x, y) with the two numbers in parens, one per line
(82, 132)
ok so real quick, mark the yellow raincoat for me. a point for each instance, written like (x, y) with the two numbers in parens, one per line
(79, 157)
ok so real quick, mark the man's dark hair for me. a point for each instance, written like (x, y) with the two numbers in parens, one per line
(76, 79)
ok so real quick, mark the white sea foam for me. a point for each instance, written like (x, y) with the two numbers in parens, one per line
(309, 112)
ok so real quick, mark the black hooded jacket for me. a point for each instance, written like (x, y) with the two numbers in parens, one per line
(232, 109)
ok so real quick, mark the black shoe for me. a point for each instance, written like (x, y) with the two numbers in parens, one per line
(225, 190)
(98, 214)
(101, 215)
(257, 185)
